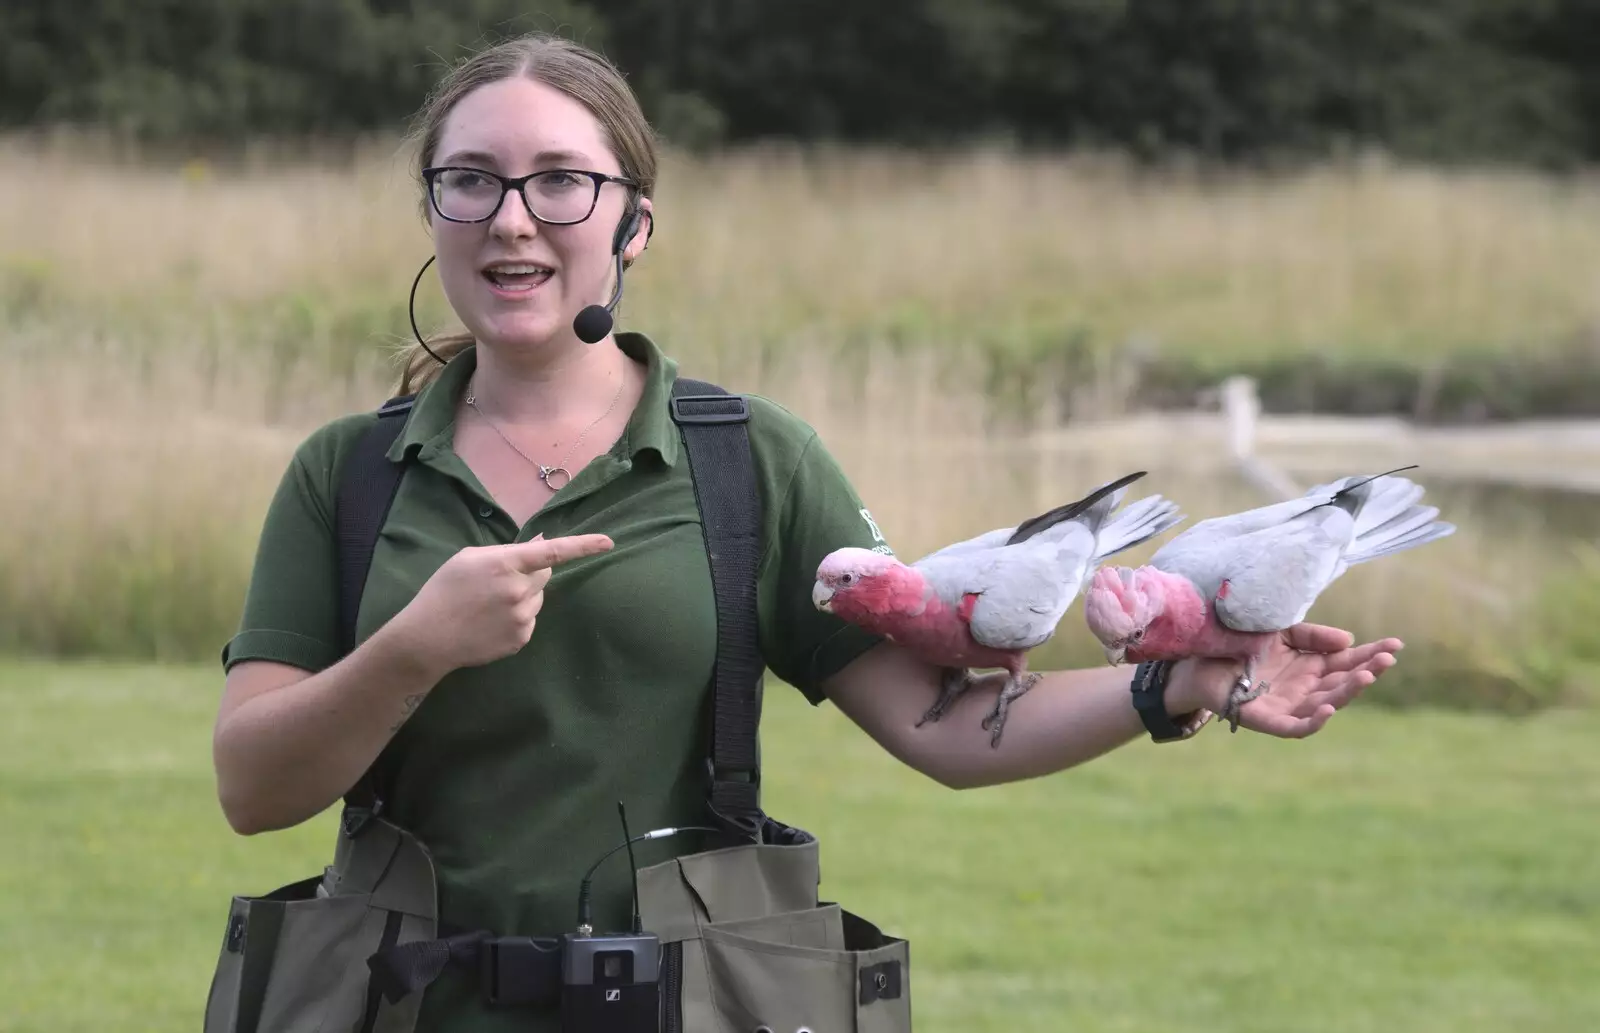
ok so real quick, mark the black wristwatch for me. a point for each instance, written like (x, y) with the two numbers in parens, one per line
(1150, 700)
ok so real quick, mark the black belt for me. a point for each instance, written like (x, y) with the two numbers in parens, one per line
(512, 970)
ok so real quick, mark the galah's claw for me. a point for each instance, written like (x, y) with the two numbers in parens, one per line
(956, 681)
(1014, 690)
(1241, 693)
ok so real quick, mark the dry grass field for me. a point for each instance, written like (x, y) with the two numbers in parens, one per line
(173, 327)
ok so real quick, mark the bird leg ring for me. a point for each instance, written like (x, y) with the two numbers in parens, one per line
(1241, 693)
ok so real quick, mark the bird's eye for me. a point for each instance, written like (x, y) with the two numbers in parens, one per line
(1138, 635)
(847, 578)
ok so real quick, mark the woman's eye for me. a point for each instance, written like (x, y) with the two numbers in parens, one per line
(465, 180)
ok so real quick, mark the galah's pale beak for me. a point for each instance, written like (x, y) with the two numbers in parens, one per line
(1116, 655)
(821, 597)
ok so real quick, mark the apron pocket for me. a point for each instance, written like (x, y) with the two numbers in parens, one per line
(294, 961)
(823, 970)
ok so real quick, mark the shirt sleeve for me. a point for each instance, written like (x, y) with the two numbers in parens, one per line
(814, 510)
(291, 608)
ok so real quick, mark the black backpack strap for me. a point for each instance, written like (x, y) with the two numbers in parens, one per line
(713, 426)
(367, 486)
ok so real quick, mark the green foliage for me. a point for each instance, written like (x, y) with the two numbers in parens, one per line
(233, 68)
(1226, 79)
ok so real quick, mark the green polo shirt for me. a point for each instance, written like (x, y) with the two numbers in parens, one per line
(510, 773)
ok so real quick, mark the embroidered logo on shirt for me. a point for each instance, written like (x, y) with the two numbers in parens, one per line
(877, 535)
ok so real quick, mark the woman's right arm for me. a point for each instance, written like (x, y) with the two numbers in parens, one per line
(289, 743)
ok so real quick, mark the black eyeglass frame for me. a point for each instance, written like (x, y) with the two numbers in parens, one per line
(508, 184)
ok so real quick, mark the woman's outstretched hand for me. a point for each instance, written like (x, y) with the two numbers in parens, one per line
(1311, 672)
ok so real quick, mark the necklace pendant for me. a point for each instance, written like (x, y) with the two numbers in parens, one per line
(547, 474)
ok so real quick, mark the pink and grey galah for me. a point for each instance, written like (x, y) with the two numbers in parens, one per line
(1226, 586)
(985, 602)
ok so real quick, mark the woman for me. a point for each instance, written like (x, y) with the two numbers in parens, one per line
(538, 628)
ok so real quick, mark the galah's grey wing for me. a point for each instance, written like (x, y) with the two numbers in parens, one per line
(1232, 525)
(1052, 536)
(988, 540)
(1028, 590)
(1274, 576)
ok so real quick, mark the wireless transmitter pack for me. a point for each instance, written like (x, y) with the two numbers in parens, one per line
(611, 982)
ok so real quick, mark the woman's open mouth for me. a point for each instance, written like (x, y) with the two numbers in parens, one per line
(516, 279)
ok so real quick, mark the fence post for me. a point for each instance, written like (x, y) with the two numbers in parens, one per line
(1241, 407)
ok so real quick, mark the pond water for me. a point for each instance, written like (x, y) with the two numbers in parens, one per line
(1564, 516)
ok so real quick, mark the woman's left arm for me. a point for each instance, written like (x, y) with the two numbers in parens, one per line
(1073, 716)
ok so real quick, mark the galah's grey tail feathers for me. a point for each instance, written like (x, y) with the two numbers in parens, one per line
(1108, 494)
(1392, 520)
(1371, 546)
(1405, 519)
(1392, 499)
(1387, 516)
(1139, 522)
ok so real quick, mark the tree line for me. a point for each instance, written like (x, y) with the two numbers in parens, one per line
(1232, 80)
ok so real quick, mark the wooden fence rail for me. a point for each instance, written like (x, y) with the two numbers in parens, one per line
(1277, 452)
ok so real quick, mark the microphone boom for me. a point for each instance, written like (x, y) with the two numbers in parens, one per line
(595, 321)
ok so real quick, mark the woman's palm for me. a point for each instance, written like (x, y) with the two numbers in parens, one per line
(1310, 672)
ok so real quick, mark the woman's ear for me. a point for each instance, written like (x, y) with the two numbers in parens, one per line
(641, 237)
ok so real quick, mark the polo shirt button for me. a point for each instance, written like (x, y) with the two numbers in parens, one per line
(486, 511)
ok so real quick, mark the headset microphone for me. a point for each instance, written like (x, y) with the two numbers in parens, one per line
(594, 322)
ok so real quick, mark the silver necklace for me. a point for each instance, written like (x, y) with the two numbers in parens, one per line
(547, 473)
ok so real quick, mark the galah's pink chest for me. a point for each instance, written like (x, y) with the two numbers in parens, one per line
(942, 634)
(1188, 626)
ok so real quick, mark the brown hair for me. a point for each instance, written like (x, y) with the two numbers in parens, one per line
(575, 70)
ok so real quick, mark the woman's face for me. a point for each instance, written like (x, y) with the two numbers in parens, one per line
(517, 283)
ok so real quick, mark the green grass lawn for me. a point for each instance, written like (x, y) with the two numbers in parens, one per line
(1400, 872)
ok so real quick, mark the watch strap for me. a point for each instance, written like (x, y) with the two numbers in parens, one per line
(1150, 701)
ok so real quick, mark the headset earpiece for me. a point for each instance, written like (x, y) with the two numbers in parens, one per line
(626, 229)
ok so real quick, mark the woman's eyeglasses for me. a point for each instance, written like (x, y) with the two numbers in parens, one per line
(558, 197)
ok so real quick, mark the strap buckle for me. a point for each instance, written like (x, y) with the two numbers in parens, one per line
(710, 409)
(742, 776)
(734, 799)
(355, 818)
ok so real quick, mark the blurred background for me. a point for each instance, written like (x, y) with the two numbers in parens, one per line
(996, 252)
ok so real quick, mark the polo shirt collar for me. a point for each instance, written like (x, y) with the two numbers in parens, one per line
(651, 425)
(431, 426)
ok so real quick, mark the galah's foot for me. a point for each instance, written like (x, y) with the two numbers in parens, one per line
(1015, 688)
(956, 681)
(1242, 692)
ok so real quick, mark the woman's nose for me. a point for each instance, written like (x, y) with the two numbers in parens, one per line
(513, 220)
